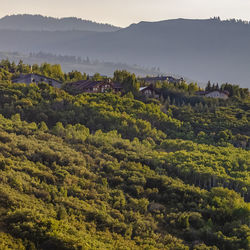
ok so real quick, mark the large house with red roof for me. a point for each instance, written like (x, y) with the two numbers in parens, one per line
(90, 86)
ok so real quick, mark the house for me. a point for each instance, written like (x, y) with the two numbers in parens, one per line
(148, 91)
(91, 86)
(153, 80)
(214, 94)
(117, 87)
(36, 78)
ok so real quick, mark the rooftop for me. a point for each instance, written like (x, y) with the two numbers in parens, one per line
(32, 74)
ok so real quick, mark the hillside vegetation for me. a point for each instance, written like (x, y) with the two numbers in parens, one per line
(111, 171)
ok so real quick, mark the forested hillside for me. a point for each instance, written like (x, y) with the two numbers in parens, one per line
(122, 171)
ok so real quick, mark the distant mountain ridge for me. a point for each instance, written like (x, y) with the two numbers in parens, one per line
(197, 49)
(43, 23)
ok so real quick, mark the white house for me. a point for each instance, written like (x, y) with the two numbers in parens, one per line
(214, 94)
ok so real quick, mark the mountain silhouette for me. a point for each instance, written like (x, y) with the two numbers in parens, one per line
(39, 23)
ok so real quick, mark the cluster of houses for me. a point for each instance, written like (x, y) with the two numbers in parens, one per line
(106, 85)
(88, 86)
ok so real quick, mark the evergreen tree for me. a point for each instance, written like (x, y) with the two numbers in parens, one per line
(208, 87)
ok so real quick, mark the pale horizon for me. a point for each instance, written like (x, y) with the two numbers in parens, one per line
(123, 14)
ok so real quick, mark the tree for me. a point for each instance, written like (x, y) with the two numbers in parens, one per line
(128, 81)
(58, 129)
(208, 87)
(43, 126)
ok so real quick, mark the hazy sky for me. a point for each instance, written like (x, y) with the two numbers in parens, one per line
(125, 12)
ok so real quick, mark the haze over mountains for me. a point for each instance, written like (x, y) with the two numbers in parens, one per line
(198, 49)
(87, 65)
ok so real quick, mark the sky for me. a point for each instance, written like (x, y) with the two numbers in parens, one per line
(124, 12)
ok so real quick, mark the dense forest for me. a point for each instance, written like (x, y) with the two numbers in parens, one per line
(122, 171)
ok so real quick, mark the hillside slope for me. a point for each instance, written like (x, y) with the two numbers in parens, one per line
(96, 171)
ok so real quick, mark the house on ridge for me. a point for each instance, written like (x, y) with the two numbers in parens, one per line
(155, 79)
(148, 91)
(36, 78)
(90, 86)
(214, 94)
